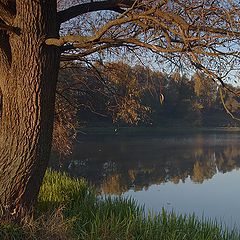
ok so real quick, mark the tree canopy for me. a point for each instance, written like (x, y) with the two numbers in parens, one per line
(200, 34)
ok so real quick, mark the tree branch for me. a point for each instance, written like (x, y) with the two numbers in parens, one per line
(112, 5)
(5, 14)
(71, 57)
(87, 39)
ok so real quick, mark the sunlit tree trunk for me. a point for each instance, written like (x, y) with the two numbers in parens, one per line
(28, 76)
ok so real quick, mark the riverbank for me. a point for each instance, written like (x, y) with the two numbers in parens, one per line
(70, 209)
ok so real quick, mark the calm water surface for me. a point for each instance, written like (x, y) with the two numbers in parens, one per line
(188, 173)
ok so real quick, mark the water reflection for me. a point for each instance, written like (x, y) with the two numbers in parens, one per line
(118, 164)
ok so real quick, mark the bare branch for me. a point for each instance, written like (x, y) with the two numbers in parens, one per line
(170, 30)
(154, 17)
(71, 57)
(99, 34)
(112, 5)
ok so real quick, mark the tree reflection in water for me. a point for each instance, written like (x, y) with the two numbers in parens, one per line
(116, 164)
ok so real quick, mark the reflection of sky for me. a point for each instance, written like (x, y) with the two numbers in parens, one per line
(116, 164)
(216, 198)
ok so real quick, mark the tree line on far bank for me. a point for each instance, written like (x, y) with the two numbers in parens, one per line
(120, 94)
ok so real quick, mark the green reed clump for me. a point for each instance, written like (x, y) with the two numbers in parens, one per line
(97, 217)
(60, 189)
(77, 212)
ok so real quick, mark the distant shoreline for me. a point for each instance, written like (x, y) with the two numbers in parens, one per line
(129, 131)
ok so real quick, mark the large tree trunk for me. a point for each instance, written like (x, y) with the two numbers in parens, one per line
(28, 76)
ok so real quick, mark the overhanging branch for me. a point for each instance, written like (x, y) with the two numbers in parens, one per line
(87, 39)
(112, 5)
(71, 57)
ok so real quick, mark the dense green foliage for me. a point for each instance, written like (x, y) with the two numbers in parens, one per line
(69, 209)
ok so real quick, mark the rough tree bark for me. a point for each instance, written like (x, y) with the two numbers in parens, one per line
(28, 76)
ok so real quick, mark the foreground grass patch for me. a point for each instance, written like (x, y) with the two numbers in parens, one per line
(69, 209)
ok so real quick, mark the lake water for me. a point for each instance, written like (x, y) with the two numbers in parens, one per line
(188, 173)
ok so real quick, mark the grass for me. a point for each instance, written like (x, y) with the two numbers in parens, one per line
(69, 209)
